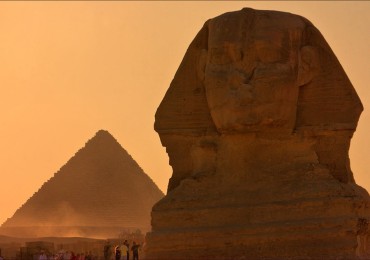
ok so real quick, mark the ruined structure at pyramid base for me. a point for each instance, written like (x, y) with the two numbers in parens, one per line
(257, 124)
(100, 192)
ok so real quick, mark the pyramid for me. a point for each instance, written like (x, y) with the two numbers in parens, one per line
(98, 192)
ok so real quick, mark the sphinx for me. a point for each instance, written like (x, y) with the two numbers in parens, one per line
(257, 124)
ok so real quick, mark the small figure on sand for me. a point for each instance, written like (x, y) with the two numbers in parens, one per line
(43, 256)
(117, 253)
(135, 250)
(126, 249)
(108, 251)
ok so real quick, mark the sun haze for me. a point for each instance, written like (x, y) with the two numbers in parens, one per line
(69, 69)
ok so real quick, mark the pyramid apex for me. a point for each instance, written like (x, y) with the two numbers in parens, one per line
(103, 134)
(102, 137)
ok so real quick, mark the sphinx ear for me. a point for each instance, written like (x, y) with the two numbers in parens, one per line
(201, 66)
(308, 65)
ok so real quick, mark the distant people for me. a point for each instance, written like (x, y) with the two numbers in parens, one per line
(135, 251)
(126, 249)
(88, 256)
(107, 251)
(73, 256)
(67, 255)
(43, 256)
(122, 248)
(53, 257)
(117, 253)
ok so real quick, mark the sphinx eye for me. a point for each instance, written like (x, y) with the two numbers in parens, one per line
(225, 55)
(269, 55)
(269, 51)
(217, 56)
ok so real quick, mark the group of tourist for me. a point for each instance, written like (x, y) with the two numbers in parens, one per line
(66, 255)
(121, 252)
(111, 252)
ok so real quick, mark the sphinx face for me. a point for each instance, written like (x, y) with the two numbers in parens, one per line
(251, 74)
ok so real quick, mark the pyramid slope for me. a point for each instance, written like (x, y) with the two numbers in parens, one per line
(100, 186)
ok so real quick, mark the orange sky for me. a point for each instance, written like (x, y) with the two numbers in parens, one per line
(68, 69)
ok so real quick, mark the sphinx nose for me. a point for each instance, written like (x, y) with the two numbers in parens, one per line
(240, 78)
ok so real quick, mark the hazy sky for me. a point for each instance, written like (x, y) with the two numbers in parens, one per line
(68, 69)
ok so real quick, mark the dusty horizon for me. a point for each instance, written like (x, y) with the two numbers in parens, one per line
(70, 69)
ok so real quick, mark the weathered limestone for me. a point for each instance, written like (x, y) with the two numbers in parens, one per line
(99, 192)
(257, 124)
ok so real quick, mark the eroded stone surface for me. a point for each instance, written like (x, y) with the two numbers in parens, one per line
(257, 124)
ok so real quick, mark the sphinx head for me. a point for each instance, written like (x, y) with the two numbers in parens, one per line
(253, 71)
(264, 72)
(267, 72)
